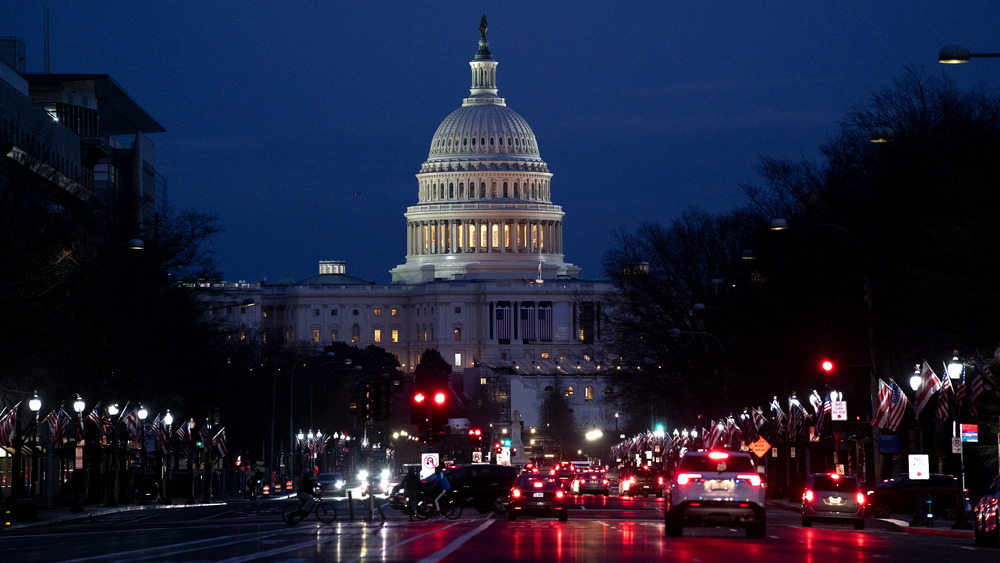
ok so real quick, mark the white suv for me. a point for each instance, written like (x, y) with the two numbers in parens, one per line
(716, 488)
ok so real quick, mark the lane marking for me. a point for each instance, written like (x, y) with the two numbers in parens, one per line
(457, 543)
(172, 548)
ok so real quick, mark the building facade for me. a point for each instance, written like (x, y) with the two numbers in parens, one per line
(485, 281)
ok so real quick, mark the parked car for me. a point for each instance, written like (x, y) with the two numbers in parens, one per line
(642, 482)
(987, 515)
(902, 495)
(481, 486)
(537, 494)
(594, 482)
(831, 498)
(713, 488)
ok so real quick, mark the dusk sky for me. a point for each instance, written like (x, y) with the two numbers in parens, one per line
(278, 113)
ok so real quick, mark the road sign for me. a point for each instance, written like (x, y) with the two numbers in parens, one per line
(956, 444)
(838, 410)
(477, 457)
(760, 447)
(428, 463)
(920, 467)
(970, 432)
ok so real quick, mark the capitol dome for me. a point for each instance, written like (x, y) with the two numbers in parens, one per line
(484, 208)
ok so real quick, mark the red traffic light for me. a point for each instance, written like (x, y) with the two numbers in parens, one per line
(477, 433)
(827, 366)
(419, 398)
(439, 398)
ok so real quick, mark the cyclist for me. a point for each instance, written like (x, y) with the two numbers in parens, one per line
(439, 486)
(410, 485)
(306, 492)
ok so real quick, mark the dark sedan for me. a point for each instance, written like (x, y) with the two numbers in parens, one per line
(537, 494)
(987, 513)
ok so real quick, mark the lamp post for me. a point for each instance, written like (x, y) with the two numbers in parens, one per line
(168, 419)
(142, 414)
(112, 413)
(35, 405)
(79, 478)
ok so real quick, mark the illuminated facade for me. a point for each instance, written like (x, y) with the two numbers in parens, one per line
(484, 282)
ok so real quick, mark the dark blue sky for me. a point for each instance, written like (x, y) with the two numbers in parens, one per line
(277, 113)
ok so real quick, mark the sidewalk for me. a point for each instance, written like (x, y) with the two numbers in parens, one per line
(895, 522)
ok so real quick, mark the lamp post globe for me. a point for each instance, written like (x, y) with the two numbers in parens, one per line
(78, 404)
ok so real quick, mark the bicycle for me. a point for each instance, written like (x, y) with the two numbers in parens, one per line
(424, 508)
(325, 512)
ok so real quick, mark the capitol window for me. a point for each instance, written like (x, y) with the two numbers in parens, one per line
(377, 335)
(395, 335)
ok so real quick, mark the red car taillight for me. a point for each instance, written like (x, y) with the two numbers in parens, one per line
(861, 498)
(516, 493)
(559, 494)
(808, 495)
(660, 480)
(685, 478)
(752, 477)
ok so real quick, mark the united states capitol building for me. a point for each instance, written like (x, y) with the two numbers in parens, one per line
(485, 280)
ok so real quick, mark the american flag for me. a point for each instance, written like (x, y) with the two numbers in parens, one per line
(779, 415)
(57, 421)
(528, 331)
(960, 391)
(976, 389)
(796, 419)
(503, 322)
(943, 407)
(984, 370)
(816, 401)
(206, 434)
(8, 423)
(545, 323)
(185, 437)
(220, 442)
(95, 417)
(132, 424)
(821, 416)
(160, 433)
(929, 384)
(758, 418)
(884, 400)
(897, 406)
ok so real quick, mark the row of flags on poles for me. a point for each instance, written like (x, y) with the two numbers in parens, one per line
(59, 422)
(964, 392)
(794, 421)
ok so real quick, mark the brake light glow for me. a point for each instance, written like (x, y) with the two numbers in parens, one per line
(808, 495)
(605, 482)
(660, 479)
(685, 478)
(752, 477)
(861, 498)
(559, 494)
(631, 479)
(834, 476)
(718, 455)
(537, 484)
(516, 493)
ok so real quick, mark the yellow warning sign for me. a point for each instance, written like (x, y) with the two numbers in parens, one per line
(760, 447)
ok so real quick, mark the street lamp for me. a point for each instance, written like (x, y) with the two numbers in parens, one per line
(956, 54)
(168, 419)
(142, 413)
(35, 405)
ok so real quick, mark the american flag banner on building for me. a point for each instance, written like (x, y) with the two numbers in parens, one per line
(503, 321)
(545, 324)
(8, 423)
(160, 434)
(528, 323)
(929, 384)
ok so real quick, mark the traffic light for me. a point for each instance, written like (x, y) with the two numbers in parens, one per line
(828, 366)
(475, 437)
(418, 408)
(439, 414)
